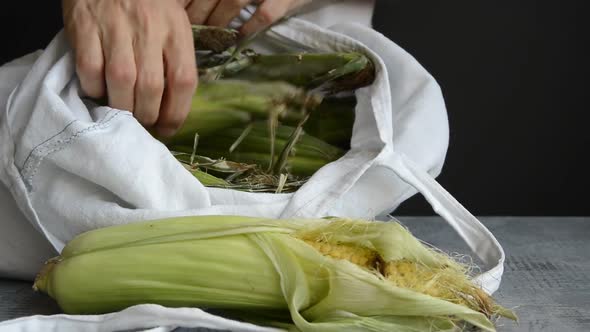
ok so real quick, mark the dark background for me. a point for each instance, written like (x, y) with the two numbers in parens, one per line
(515, 85)
(514, 82)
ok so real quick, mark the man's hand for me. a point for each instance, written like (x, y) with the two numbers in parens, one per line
(140, 53)
(222, 12)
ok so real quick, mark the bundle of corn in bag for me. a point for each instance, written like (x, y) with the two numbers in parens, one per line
(311, 274)
(241, 88)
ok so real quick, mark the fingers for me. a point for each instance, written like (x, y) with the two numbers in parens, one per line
(226, 11)
(198, 11)
(266, 14)
(149, 86)
(84, 37)
(90, 64)
(139, 53)
(181, 80)
(120, 68)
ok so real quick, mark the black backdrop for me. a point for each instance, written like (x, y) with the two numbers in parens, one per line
(514, 82)
(515, 86)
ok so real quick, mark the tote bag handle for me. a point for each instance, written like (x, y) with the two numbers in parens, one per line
(481, 241)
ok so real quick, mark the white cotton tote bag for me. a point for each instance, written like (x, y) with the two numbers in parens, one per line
(72, 166)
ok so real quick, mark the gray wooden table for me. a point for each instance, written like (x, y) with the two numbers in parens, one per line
(546, 279)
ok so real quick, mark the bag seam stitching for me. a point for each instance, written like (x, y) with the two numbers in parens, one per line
(33, 165)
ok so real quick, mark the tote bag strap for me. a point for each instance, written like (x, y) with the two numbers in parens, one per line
(481, 241)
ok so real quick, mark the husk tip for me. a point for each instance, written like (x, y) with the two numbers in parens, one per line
(41, 280)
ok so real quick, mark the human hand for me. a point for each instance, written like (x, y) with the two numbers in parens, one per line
(221, 12)
(140, 53)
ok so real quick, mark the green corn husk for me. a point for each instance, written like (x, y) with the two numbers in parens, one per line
(229, 103)
(255, 97)
(334, 72)
(323, 275)
(258, 139)
(207, 179)
(331, 121)
(238, 176)
(307, 156)
(296, 165)
(218, 167)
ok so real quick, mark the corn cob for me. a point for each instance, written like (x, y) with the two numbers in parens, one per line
(307, 156)
(257, 140)
(228, 103)
(328, 275)
(334, 72)
(330, 122)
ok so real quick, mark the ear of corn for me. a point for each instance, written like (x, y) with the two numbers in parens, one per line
(326, 275)
(257, 140)
(331, 121)
(224, 104)
(307, 156)
(333, 71)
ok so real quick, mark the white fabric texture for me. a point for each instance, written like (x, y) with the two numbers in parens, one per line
(149, 317)
(72, 166)
(327, 13)
(22, 248)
